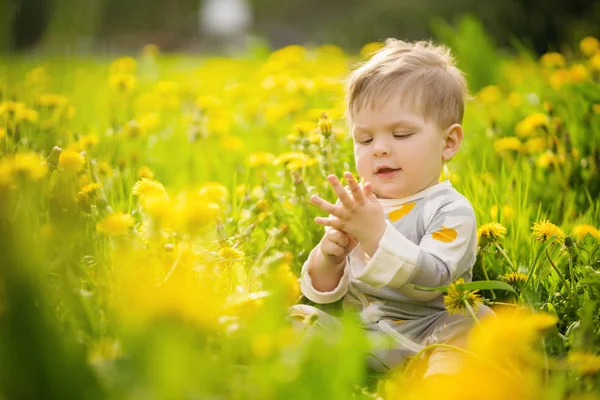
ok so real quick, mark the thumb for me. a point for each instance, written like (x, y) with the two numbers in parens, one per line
(368, 191)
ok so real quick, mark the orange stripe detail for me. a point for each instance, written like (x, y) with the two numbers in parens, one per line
(401, 212)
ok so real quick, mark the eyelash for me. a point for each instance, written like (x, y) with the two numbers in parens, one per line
(395, 136)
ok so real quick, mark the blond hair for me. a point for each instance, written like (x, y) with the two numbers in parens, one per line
(420, 72)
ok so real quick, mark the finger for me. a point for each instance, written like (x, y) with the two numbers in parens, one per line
(324, 205)
(355, 188)
(330, 221)
(352, 242)
(368, 191)
(340, 191)
(338, 237)
(330, 248)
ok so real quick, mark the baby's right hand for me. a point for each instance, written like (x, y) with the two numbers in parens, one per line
(336, 245)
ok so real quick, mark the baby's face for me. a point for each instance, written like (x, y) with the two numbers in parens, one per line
(396, 149)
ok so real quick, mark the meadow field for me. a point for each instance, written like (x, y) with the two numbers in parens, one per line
(155, 215)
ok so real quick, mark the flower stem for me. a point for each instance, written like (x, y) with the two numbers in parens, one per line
(472, 312)
(510, 263)
(485, 273)
(560, 275)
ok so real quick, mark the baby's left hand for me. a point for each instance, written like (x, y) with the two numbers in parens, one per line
(359, 213)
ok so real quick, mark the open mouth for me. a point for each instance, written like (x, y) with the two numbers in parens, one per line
(387, 172)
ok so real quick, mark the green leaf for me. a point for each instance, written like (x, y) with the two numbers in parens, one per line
(478, 285)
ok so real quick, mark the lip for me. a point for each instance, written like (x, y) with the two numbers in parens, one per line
(386, 174)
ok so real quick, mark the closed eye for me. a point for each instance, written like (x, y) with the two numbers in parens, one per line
(366, 141)
(402, 136)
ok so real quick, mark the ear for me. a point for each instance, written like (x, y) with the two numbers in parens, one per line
(453, 137)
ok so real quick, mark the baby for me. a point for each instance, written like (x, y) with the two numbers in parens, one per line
(403, 227)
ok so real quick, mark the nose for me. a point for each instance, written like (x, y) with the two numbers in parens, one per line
(381, 147)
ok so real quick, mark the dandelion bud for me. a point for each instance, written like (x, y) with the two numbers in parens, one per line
(52, 159)
(325, 125)
(568, 242)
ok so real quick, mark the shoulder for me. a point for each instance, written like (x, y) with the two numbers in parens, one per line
(447, 202)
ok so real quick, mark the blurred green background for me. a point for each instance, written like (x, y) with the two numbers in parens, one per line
(187, 25)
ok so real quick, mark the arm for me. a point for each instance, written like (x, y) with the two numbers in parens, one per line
(445, 252)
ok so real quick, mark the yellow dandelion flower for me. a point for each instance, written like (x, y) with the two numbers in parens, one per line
(490, 232)
(208, 102)
(115, 224)
(149, 121)
(2, 133)
(214, 192)
(159, 207)
(86, 142)
(27, 166)
(229, 253)
(104, 169)
(535, 145)
(490, 95)
(371, 48)
(580, 231)
(145, 172)
(507, 143)
(260, 159)
(133, 129)
(596, 108)
(325, 125)
(532, 122)
(594, 62)
(559, 78)
(199, 213)
(91, 189)
(552, 60)
(584, 363)
(124, 83)
(515, 100)
(515, 278)
(71, 161)
(546, 159)
(150, 50)
(456, 299)
(232, 143)
(543, 230)
(148, 187)
(589, 46)
(578, 73)
(125, 65)
(507, 212)
(51, 100)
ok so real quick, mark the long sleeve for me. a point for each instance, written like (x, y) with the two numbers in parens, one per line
(445, 252)
(313, 294)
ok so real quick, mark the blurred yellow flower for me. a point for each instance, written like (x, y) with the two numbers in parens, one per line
(507, 143)
(552, 60)
(594, 62)
(232, 143)
(370, 48)
(115, 224)
(578, 73)
(25, 166)
(596, 108)
(260, 159)
(543, 230)
(535, 145)
(589, 46)
(91, 189)
(2, 133)
(149, 121)
(515, 100)
(580, 231)
(86, 142)
(122, 82)
(490, 95)
(104, 169)
(208, 102)
(559, 78)
(507, 212)
(150, 50)
(546, 159)
(458, 300)
(133, 129)
(145, 172)
(584, 363)
(214, 192)
(124, 65)
(532, 122)
(71, 161)
(51, 100)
